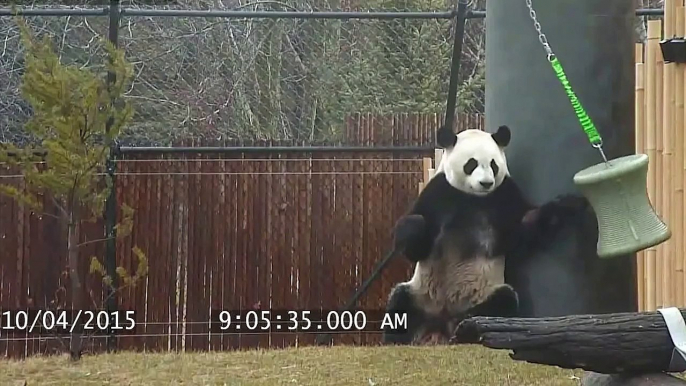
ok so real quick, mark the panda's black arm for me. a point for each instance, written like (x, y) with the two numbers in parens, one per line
(416, 231)
(534, 225)
(512, 208)
(512, 201)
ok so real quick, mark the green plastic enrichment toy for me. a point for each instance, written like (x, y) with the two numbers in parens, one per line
(616, 190)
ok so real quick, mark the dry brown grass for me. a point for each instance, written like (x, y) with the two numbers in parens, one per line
(369, 366)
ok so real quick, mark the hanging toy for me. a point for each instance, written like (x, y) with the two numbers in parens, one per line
(616, 189)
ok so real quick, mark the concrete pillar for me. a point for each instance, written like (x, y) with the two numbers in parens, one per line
(594, 41)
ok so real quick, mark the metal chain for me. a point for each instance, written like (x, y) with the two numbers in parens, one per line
(541, 35)
(551, 58)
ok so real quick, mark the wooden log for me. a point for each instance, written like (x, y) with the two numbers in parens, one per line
(605, 343)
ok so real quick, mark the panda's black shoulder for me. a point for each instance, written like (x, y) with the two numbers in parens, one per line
(507, 190)
(439, 195)
(508, 200)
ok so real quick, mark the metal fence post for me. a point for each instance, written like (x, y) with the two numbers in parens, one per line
(460, 19)
(110, 204)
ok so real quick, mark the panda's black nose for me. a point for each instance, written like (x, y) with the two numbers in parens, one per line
(486, 184)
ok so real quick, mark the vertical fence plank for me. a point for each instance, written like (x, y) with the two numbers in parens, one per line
(166, 229)
(231, 299)
(5, 236)
(302, 245)
(328, 250)
(317, 235)
(307, 273)
(156, 289)
(193, 280)
(263, 279)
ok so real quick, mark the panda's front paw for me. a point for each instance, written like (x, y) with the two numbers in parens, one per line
(407, 229)
(570, 204)
(550, 216)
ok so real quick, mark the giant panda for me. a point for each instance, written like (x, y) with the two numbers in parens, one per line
(467, 220)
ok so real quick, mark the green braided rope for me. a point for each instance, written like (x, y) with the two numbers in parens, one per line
(584, 119)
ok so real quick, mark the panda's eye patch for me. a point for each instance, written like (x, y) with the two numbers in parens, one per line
(470, 166)
(495, 168)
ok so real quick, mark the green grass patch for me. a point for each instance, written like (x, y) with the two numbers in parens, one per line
(340, 365)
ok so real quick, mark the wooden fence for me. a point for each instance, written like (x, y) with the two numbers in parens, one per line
(244, 231)
(660, 134)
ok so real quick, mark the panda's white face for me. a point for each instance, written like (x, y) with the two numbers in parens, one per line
(474, 161)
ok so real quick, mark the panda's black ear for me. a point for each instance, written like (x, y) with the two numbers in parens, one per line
(502, 136)
(445, 138)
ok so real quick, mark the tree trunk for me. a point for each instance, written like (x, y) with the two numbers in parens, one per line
(75, 344)
(609, 343)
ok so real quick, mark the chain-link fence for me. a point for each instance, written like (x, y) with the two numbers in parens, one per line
(265, 78)
(261, 78)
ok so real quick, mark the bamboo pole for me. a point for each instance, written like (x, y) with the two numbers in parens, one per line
(659, 168)
(640, 148)
(667, 127)
(678, 212)
(640, 98)
(652, 45)
(681, 180)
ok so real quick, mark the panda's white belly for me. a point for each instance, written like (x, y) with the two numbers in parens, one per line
(455, 285)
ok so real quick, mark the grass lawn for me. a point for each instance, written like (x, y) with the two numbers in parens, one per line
(340, 365)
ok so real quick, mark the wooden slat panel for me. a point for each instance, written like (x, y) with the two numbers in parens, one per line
(231, 241)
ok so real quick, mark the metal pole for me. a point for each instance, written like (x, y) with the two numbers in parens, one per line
(476, 14)
(111, 204)
(275, 149)
(285, 14)
(455, 62)
(54, 12)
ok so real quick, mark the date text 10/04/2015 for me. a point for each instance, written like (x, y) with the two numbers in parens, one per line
(60, 321)
(225, 321)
